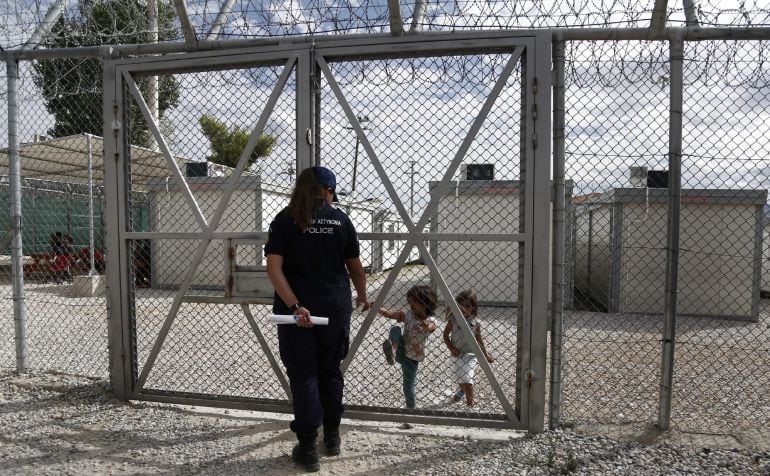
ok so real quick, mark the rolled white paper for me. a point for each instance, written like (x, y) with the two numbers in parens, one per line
(291, 319)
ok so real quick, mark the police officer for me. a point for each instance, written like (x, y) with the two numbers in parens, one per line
(312, 255)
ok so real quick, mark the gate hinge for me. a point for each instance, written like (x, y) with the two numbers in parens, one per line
(534, 141)
(115, 122)
(534, 112)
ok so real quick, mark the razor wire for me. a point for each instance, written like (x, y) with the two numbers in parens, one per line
(254, 19)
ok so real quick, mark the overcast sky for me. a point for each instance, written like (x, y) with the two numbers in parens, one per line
(617, 114)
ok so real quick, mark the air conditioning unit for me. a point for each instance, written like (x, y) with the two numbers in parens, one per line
(637, 177)
(657, 179)
(477, 171)
(197, 169)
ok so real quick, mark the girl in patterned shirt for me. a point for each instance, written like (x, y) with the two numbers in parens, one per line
(409, 345)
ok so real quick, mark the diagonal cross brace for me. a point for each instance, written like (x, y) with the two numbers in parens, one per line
(416, 234)
(161, 141)
(207, 234)
(270, 358)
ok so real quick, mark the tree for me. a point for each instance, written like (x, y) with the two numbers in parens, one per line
(72, 87)
(227, 144)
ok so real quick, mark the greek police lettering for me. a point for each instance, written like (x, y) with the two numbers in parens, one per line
(319, 227)
(326, 221)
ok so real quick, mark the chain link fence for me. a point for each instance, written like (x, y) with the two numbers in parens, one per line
(617, 106)
(63, 234)
(437, 98)
(616, 152)
(210, 348)
(197, 346)
(722, 364)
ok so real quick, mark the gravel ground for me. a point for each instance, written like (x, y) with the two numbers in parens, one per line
(61, 424)
(64, 424)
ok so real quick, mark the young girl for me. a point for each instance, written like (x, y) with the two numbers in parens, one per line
(461, 348)
(409, 346)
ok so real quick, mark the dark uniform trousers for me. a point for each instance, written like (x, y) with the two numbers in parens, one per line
(312, 358)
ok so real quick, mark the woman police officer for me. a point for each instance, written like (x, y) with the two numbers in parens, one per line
(312, 252)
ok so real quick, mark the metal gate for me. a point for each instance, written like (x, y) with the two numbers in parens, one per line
(187, 286)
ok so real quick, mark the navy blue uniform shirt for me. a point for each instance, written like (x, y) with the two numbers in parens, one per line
(314, 260)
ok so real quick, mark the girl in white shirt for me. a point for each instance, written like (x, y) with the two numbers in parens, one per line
(461, 347)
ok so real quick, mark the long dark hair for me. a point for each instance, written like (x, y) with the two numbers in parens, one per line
(306, 199)
(425, 295)
(468, 297)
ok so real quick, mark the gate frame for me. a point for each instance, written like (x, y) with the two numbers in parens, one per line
(308, 59)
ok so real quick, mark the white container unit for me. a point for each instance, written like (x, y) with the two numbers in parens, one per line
(368, 216)
(385, 252)
(252, 207)
(489, 268)
(620, 251)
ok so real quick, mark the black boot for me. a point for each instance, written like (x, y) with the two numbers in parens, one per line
(332, 439)
(304, 452)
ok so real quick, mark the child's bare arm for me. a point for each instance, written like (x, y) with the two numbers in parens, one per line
(480, 340)
(447, 330)
(386, 312)
(448, 341)
(391, 314)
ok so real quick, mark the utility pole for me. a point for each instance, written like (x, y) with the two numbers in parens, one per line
(361, 120)
(153, 100)
(411, 189)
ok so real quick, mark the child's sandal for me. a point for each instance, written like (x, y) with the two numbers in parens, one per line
(387, 349)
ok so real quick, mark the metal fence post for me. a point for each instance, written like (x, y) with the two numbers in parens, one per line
(306, 108)
(676, 52)
(120, 332)
(559, 208)
(92, 261)
(17, 261)
(540, 227)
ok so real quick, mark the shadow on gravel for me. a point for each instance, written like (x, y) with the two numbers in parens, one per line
(64, 425)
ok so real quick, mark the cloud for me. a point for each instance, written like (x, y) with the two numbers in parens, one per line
(617, 99)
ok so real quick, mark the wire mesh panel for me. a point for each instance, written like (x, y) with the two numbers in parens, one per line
(721, 377)
(7, 349)
(62, 231)
(187, 341)
(616, 125)
(417, 123)
(618, 222)
(194, 335)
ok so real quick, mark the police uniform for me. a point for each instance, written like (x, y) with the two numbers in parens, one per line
(314, 266)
